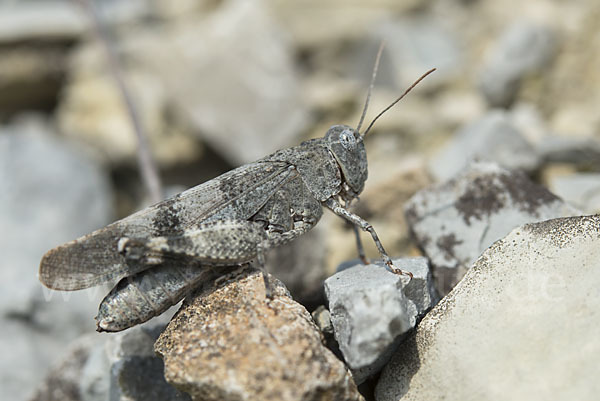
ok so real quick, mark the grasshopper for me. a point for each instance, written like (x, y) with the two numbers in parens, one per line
(162, 251)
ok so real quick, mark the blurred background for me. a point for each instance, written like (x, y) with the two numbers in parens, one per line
(217, 84)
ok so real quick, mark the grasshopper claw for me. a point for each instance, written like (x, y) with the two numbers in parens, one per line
(395, 270)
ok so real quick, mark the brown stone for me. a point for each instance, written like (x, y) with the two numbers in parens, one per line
(230, 343)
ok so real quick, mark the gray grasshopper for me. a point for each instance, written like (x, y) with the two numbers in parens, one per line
(162, 251)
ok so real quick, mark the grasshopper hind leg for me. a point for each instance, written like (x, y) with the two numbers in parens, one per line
(138, 298)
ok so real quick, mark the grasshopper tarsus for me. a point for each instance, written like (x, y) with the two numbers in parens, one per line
(398, 271)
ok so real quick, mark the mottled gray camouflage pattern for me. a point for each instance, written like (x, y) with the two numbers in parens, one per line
(160, 252)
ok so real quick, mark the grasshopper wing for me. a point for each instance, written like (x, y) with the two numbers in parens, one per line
(94, 258)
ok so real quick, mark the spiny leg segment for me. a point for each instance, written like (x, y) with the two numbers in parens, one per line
(364, 225)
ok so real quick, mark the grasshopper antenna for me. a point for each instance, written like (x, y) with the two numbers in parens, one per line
(375, 68)
(395, 101)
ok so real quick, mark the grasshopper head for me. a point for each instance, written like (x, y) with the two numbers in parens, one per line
(347, 143)
(348, 148)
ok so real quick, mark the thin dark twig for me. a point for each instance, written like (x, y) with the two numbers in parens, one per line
(146, 163)
(397, 100)
(371, 86)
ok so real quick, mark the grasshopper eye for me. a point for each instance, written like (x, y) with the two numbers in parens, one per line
(348, 140)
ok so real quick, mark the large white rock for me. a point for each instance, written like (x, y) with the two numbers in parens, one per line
(456, 221)
(579, 189)
(523, 324)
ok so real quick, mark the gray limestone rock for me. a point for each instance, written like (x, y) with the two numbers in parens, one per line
(524, 48)
(577, 151)
(371, 308)
(136, 373)
(416, 45)
(48, 20)
(580, 189)
(62, 382)
(60, 20)
(35, 42)
(231, 77)
(521, 325)
(119, 367)
(50, 192)
(91, 111)
(492, 138)
(454, 222)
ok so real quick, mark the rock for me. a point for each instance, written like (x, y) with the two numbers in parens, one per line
(170, 10)
(36, 38)
(371, 308)
(136, 373)
(94, 378)
(580, 189)
(51, 192)
(230, 344)
(369, 312)
(313, 24)
(455, 108)
(524, 48)
(92, 111)
(523, 315)
(420, 289)
(491, 138)
(122, 366)
(413, 46)
(529, 121)
(583, 152)
(322, 319)
(31, 76)
(575, 117)
(48, 20)
(59, 20)
(455, 221)
(62, 382)
(231, 78)
(417, 44)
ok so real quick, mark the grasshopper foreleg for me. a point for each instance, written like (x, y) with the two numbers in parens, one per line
(364, 225)
(359, 245)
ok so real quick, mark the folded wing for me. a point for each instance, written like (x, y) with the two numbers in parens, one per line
(94, 258)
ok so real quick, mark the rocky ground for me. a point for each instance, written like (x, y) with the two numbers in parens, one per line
(484, 182)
